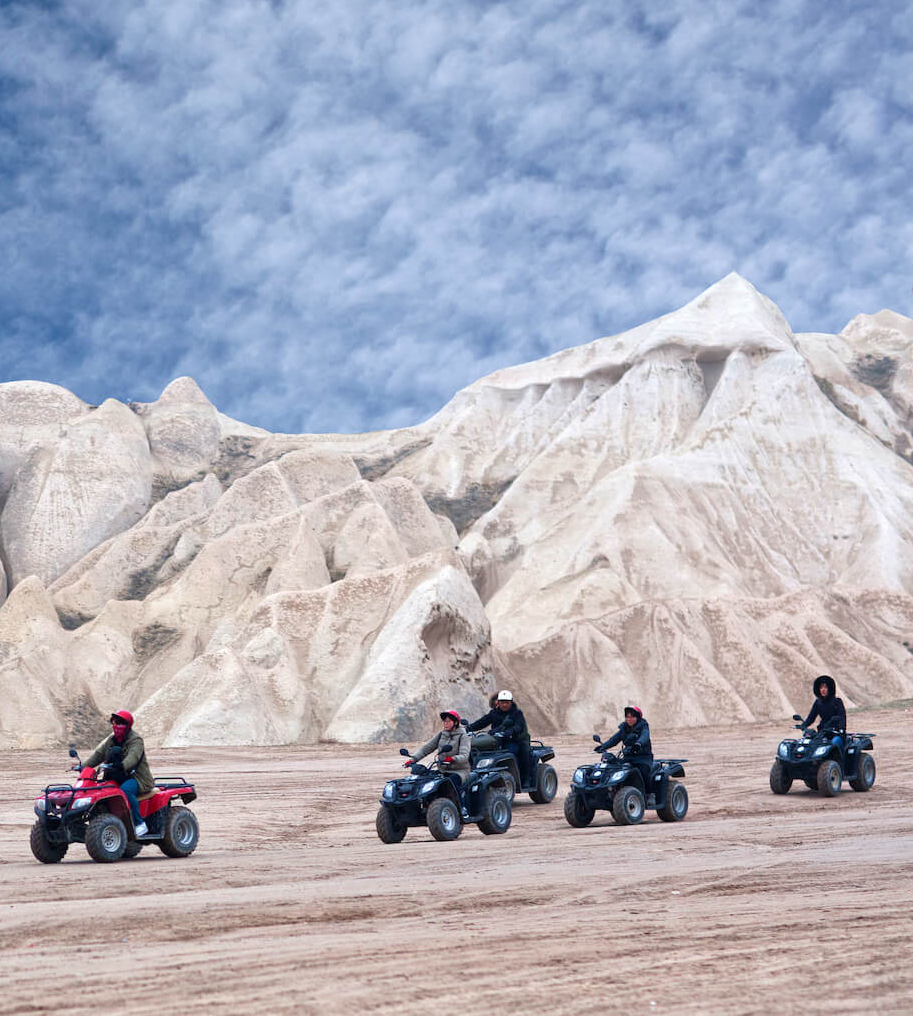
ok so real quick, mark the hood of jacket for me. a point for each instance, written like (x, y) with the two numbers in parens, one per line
(831, 686)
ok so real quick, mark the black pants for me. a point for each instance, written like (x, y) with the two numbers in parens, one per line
(644, 767)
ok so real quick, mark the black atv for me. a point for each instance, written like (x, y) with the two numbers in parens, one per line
(541, 783)
(821, 764)
(614, 784)
(428, 797)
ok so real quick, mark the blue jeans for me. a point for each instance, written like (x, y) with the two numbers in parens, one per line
(522, 754)
(131, 789)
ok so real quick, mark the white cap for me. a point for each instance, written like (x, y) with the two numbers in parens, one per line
(505, 696)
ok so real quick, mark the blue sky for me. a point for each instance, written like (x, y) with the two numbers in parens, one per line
(333, 215)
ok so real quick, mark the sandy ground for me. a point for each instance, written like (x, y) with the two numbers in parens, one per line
(753, 904)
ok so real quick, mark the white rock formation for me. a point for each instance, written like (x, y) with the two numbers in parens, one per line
(66, 498)
(700, 514)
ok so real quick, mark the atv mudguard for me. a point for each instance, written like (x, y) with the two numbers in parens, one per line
(486, 779)
(542, 753)
(633, 779)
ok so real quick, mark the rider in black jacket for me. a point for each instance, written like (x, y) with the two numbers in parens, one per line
(634, 733)
(827, 708)
(508, 725)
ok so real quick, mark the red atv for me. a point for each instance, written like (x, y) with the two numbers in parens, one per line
(95, 811)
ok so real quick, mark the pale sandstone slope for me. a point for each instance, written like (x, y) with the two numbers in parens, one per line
(699, 514)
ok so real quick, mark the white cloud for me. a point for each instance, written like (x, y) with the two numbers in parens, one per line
(335, 215)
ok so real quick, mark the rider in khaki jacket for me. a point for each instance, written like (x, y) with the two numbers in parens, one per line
(452, 733)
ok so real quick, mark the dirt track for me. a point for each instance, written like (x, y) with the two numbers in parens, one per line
(754, 904)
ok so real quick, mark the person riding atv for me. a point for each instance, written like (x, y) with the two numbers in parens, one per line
(455, 759)
(617, 784)
(429, 797)
(95, 811)
(125, 754)
(823, 759)
(508, 728)
(634, 735)
(827, 708)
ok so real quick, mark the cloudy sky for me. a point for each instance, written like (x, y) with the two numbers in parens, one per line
(333, 214)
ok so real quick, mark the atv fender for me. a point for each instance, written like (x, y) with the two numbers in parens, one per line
(495, 777)
(446, 789)
(633, 779)
(113, 804)
(675, 769)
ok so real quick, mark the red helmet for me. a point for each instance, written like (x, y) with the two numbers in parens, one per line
(634, 711)
(122, 716)
(451, 714)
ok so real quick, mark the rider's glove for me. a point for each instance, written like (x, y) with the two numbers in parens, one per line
(408, 763)
(634, 749)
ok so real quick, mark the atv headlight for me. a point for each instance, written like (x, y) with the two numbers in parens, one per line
(41, 804)
(81, 802)
(484, 762)
(427, 785)
(823, 750)
(616, 777)
(783, 750)
(389, 790)
(579, 775)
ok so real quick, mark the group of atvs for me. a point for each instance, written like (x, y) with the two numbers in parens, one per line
(94, 810)
(428, 796)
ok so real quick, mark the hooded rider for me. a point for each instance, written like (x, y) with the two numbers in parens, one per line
(452, 745)
(634, 733)
(828, 709)
(125, 754)
(508, 725)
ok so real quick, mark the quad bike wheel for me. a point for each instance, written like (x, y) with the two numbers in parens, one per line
(106, 838)
(546, 785)
(676, 806)
(628, 806)
(510, 787)
(182, 833)
(811, 784)
(865, 773)
(780, 780)
(829, 778)
(132, 849)
(444, 819)
(576, 811)
(497, 813)
(42, 848)
(388, 829)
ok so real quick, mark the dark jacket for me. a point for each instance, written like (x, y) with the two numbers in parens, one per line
(831, 710)
(512, 723)
(132, 760)
(638, 734)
